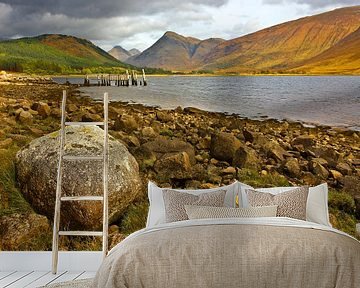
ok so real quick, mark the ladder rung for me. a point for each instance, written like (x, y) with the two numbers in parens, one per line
(80, 233)
(84, 123)
(82, 198)
(70, 158)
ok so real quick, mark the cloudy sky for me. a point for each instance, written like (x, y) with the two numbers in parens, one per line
(139, 23)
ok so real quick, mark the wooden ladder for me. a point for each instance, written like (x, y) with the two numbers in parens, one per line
(59, 198)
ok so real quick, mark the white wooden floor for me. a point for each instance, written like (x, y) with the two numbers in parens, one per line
(32, 269)
(32, 279)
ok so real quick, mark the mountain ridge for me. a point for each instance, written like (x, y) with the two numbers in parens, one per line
(281, 48)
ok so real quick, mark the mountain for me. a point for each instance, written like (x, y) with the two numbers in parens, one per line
(284, 46)
(122, 54)
(343, 57)
(53, 53)
(288, 47)
(175, 52)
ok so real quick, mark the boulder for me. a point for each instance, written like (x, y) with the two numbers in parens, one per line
(330, 155)
(306, 141)
(25, 117)
(125, 123)
(344, 168)
(336, 174)
(292, 167)
(164, 116)
(36, 166)
(148, 132)
(319, 170)
(25, 232)
(246, 157)
(89, 117)
(162, 145)
(223, 146)
(173, 166)
(42, 108)
(274, 150)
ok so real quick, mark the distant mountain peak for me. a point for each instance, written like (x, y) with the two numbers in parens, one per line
(121, 53)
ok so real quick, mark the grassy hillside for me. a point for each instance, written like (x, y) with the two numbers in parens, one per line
(56, 54)
(284, 46)
(343, 58)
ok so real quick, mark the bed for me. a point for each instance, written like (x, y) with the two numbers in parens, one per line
(234, 252)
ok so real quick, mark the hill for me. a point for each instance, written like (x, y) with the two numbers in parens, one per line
(53, 53)
(343, 57)
(283, 48)
(175, 52)
(286, 45)
(122, 54)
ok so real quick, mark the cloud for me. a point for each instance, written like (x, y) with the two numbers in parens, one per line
(104, 8)
(315, 4)
(107, 22)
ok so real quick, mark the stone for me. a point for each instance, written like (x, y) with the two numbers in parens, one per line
(37, 163)
(307, 141)
(292, 167)
(344, 168)
(72, 108)
(336, 174)
(89, 117)
(332, 156)
(148, 132)
(204, 143)
(125, 123)
(228, 170)
(162, 145)
(351, 186)
(246, 157)
(223, 146)
(310, 179)
(42, 108)
(319, 170)
(164, 116)
(25, 117)
(173, 166)
(25, 232)
(274, 150)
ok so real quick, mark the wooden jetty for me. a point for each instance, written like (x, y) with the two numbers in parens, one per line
(127, 79)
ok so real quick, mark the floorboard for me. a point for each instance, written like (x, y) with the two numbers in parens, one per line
(12, 278)
(28, 279)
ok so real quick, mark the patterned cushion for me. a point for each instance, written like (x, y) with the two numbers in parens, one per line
(201, 212)
(290, 204)
(175, 201)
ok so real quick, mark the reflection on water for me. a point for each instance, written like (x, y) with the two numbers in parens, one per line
(330, 100)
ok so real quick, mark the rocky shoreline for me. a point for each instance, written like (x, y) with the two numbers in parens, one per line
(184, 147)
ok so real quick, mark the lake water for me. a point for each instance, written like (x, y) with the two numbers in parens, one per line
(328, 100)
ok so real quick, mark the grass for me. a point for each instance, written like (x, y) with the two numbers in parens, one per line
(135, 217)
(12, 200)
(256, 180)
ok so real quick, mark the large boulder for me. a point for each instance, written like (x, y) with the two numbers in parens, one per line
(223, 146)
(37, 173)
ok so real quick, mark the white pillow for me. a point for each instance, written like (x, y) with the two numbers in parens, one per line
(317, 209)
(156, 214)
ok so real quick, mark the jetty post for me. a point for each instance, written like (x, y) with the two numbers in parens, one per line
(144, 77)
(127, 78)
